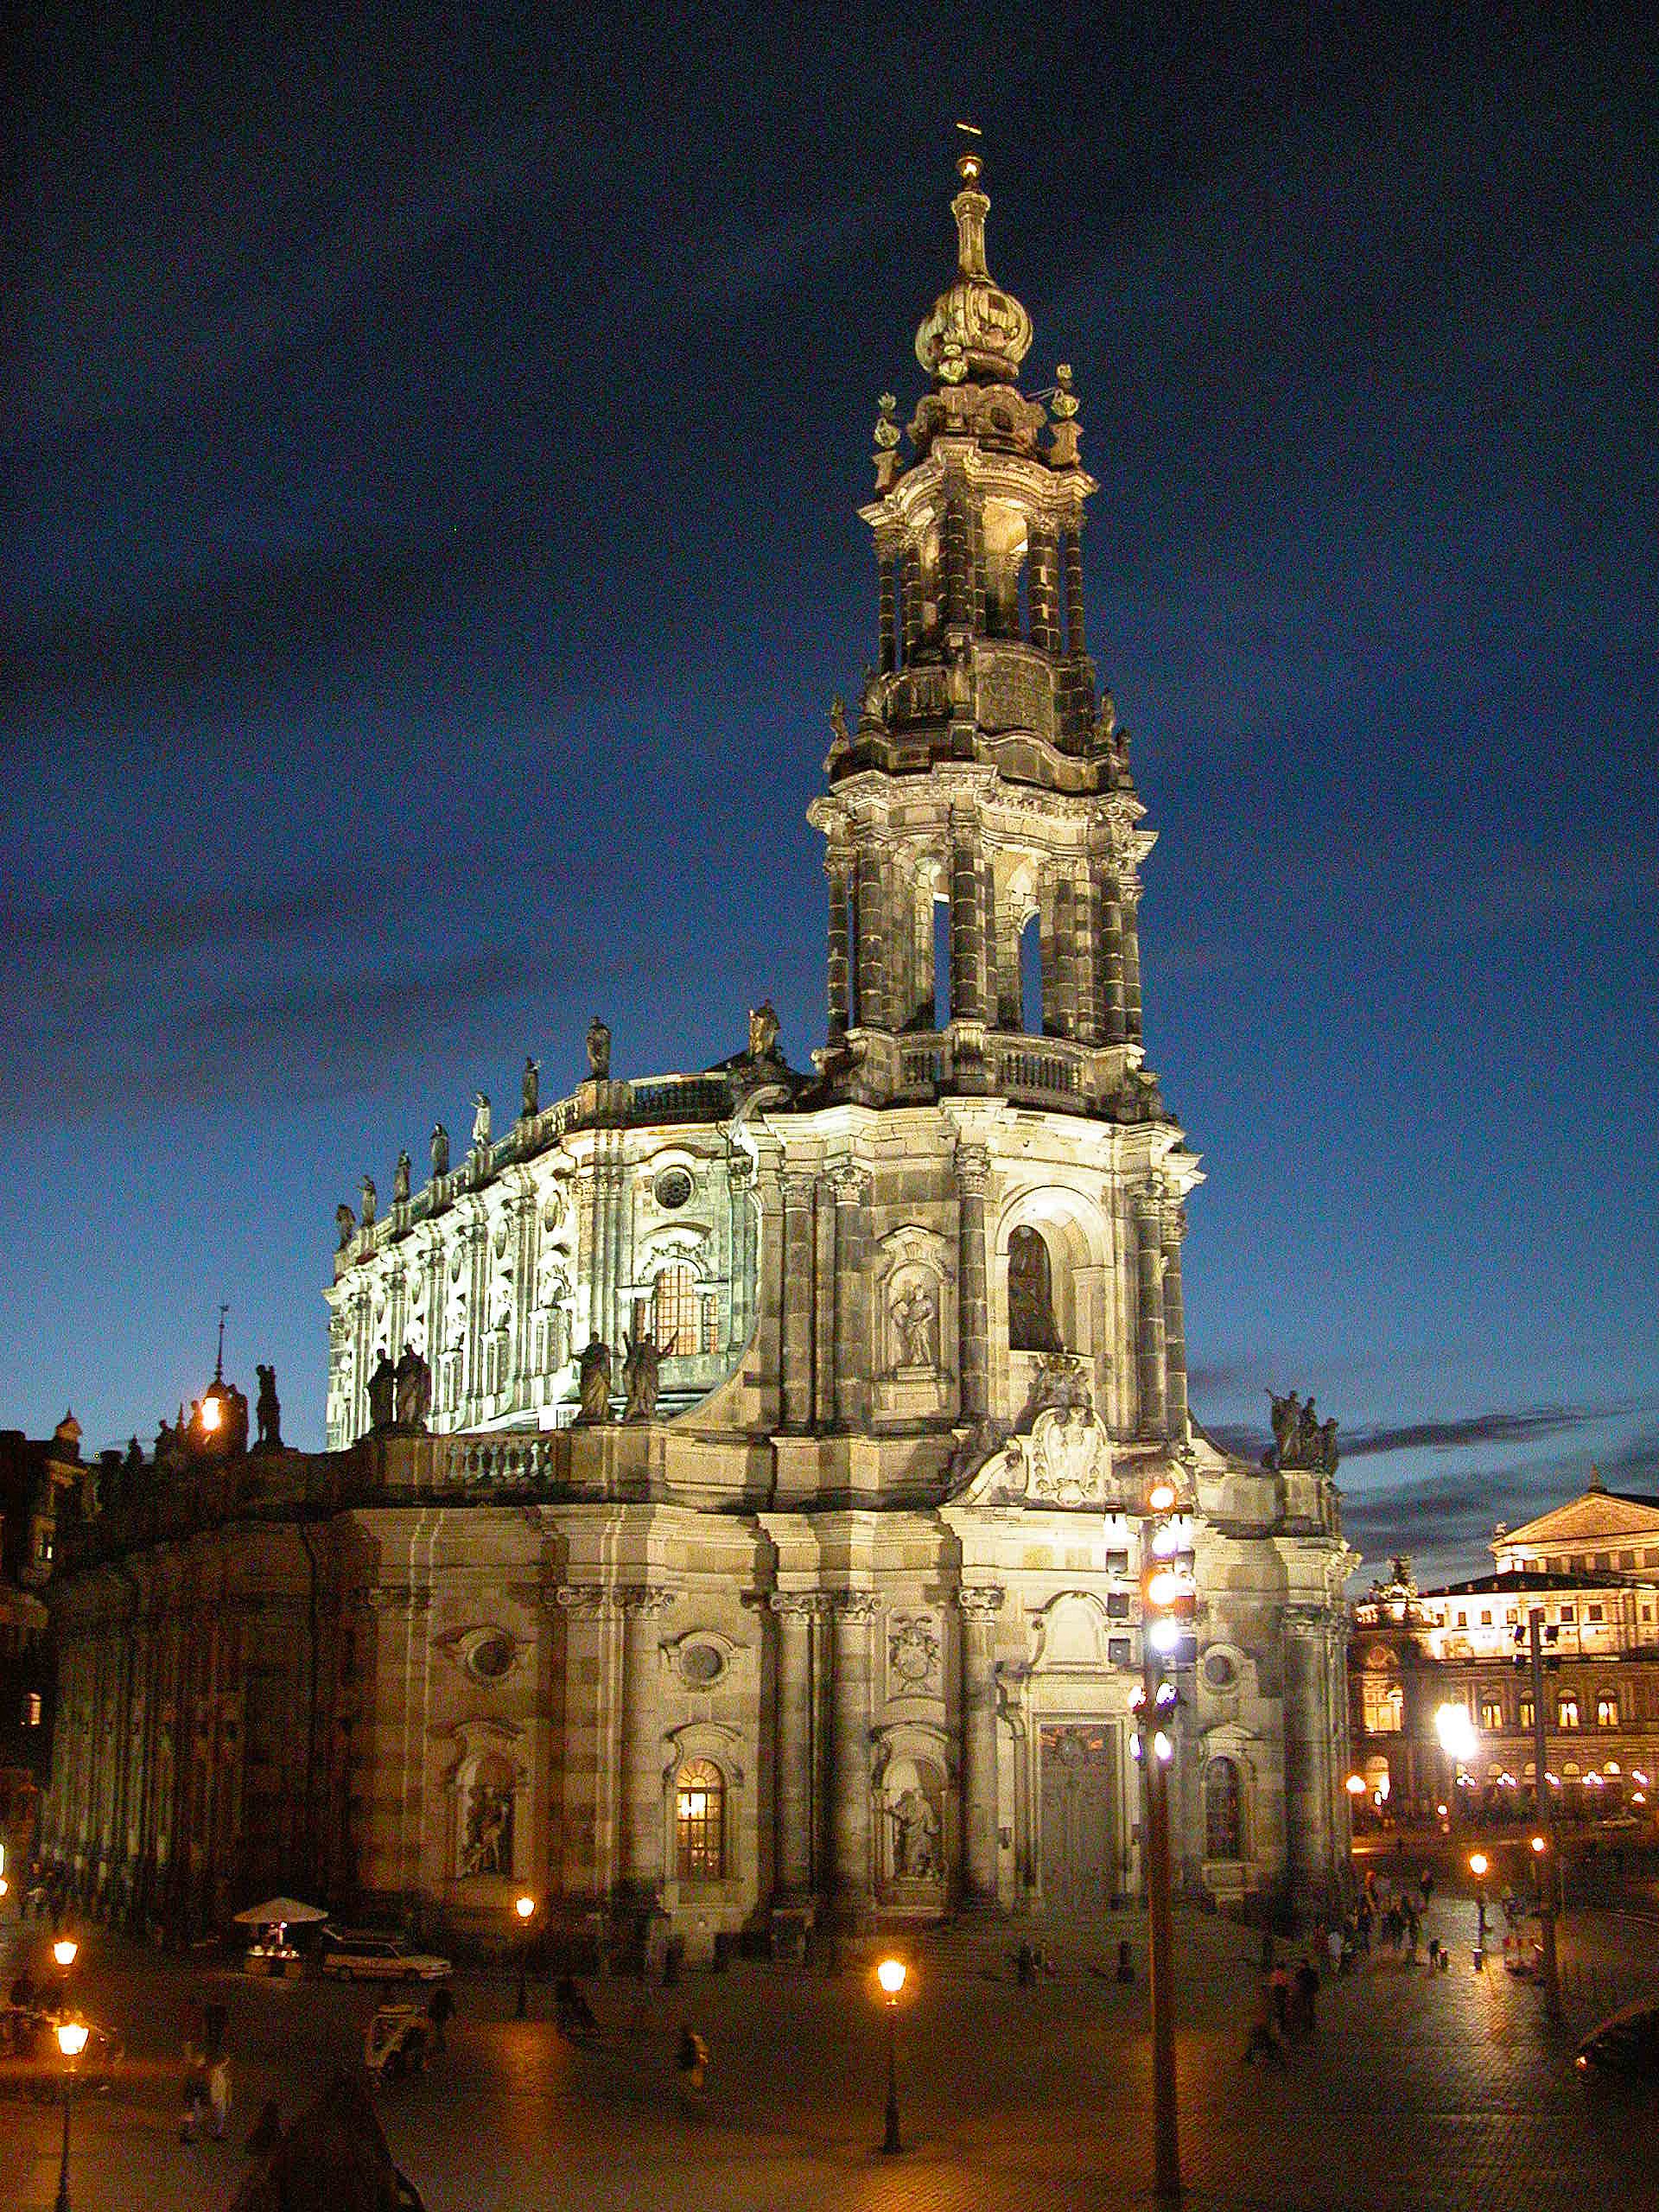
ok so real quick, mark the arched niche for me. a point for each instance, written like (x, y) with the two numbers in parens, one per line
(911, 1779)
(1077, 1245)
(489, 1790)
(915, 1324)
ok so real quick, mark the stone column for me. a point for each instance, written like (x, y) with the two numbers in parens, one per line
(852, 1189)
(849, 1809)
(642, 1743)
(967, 928)
(768, 1363)
(973, 1175)
(910, 579)
(840, 979)
(824, 1271)
(1113, 1026)
(794, 1798)
(1149, 1321)
(1043, 590)
(1132, 962)
(979, 1852)
(1174, 1228)
(738, 1176)
(1071, 550)
(872, 932)
(797, 1302)
(1063, 1022)
(590, 1752)
(889, 614)
(954, 550)
(1084, 939)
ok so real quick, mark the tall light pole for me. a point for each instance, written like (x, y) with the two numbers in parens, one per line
(1549, 1893)
(525, 1908)
(1460, 1742)
(72, 2041)
(891, 1975)
(1168, 1602)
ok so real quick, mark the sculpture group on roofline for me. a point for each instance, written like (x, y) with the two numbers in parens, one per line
(400, 1396)
(1301, 1441)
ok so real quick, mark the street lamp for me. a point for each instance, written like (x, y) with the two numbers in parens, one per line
(64, 1951)
(891, 1975)
(1458, 1741)
(1478, 1864)
(72, 2041)
(525, 1908)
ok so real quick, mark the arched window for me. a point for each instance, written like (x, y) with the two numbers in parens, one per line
(1031, 976)
(1567, 1713)
(676, 1314)
(1223, 1824)
(1607, 1709)
(1383, 1707)
(700, 1822)
(1031, 1293)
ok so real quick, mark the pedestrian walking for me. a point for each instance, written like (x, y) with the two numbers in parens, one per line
(691, 2069)
(1303, 1996)
(1333, 1946)
(440, 2011)
(1265, 2040)
(195, 2087)
(1426, 1884)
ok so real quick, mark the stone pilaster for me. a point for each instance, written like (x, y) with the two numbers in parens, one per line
(1174, 1228)
(768, 1356)
(973, 1168)
(795, 1807)
(870, 898)
(1085, 943)
(1114, 1027)
(642, 1743)
(849, 1809)
(852, 1360)
(979, 1609)
(1063, 1022)
(956, 562)
(1071, 554)
(909, 583)
(889, 612)
(1151, 1372)
(1132, 962)
(967, 927)
(798, 1285)
(1043, 591)
(591, 1751)
(740, 1210)
(823, 1302)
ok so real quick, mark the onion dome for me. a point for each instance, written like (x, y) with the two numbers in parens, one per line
(974, 329)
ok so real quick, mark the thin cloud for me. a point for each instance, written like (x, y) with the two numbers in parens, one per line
(218, 920)
(1508, 1426)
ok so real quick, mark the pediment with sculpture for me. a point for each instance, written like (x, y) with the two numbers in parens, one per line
(1058, 1454)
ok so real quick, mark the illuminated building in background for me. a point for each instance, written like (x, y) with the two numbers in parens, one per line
(736, 1479)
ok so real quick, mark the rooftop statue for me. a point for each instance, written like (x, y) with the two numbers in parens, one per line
(593, 1381)
(400, 1176)
(413, 1396)
(382, 1388)
(480, 1119)
(439, 1149)
(532, 1089)
(641, 1378)
(269, 1411)
(763, 1030)
(345, 1224)
(368, 1201)
(599, 1051)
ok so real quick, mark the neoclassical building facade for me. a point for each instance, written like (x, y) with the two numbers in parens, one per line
(736, 1479)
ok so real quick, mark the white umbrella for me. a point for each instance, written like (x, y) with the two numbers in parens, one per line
(279, 1912)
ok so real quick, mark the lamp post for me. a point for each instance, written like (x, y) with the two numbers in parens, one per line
(1478, 1864)
(72, 2041)
(1547, 1848)
(1168, 1605)
(525, 1908)
(891, 1975)
(64, 1951)
(1460, 1742)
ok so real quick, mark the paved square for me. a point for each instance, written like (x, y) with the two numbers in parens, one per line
(1417, 2090)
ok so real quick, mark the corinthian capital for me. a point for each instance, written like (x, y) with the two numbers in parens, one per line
(855, 1604)
(798, 1604)
(980, 1604)
(973, 1169)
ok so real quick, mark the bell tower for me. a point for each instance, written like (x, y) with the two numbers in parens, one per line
(983, 837)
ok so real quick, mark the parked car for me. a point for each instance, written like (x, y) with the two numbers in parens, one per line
(356, 1954)
(1626, 2046)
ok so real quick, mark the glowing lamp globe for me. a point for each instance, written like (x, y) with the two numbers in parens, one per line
(1538, 1843)
(64, 1950)
(1355, 1785)
(891, 1975)
(524, 1907)
(5, 1886)
(1456, 1731)
(210, 1415)
(1161, 1499)
(72, 2037)
(1478, 1863)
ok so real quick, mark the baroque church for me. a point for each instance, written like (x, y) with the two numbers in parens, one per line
(736, 1481)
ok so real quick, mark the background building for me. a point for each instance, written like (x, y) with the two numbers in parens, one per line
(736, 1501)
(1590, 1569)
(35, 1477)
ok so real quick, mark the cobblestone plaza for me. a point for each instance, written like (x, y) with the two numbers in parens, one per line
(1418, 2089)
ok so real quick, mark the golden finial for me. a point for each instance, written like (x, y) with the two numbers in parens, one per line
(969, 161)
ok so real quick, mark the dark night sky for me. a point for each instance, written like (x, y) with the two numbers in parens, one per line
(430, 460)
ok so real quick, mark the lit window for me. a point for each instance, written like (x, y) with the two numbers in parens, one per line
(700, 1822)
(1529, 1717)
(1491, 1714)
(1593, 1612)
(1384, 1708)
(675, 1317)
(1606, 1709)
(1462, 1617)
(1567, 1713)
(1485, 1617)
(31, 1709)
(1569, 1612)
(1223, 1824)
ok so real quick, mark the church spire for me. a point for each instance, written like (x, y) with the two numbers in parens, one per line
(974, 330)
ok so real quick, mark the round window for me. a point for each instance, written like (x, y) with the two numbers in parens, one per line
(700, 1662)
(673, 1189)
(491, 1656)
(1219, 1672)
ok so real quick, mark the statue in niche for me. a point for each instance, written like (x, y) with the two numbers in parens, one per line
(763, 1030)
(368, 1201)
(345, 1224)
(480, 1119)
(488, 1847)
(913, 1316)
(400, 1180)
(1031, 1295)
(641, 1378)
(599, 1051)
(413, 1388)
(439, 1149)
(593, 1381)
(383, 1392)
(269, 1411)
(916, 1837)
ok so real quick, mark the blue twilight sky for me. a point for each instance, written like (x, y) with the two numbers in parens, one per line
(430, 459)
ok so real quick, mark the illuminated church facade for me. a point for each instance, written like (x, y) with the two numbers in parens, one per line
(734, 1488)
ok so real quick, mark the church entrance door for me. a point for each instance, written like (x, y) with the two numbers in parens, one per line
(1076, 1814)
